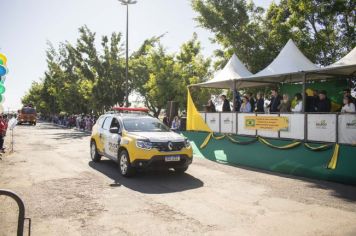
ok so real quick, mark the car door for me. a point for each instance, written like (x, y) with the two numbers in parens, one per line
(98, 129)
(104, 134)
(114, 139)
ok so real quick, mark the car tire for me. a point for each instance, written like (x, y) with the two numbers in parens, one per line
(34, 123)
(95, 156)
(125, 167)
(181, 170)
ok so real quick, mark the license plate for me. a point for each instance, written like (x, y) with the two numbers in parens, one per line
(172, 158)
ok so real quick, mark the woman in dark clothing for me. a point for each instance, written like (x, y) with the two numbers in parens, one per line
(260, 102)
(210, 107)
(226, 104)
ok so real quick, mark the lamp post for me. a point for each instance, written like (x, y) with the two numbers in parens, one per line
(127, 3)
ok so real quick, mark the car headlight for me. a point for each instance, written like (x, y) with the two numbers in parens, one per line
(144, 144)
(187, 143)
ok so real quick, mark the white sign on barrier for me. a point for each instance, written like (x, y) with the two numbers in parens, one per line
(347, 128)
(228, 122)
(322, 127)
(241, 124)
(266, 133)
(296, 127)
(213, 121)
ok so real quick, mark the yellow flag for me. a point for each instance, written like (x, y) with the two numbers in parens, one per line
(194, 119)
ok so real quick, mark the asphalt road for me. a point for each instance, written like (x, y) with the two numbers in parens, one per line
(67, 194)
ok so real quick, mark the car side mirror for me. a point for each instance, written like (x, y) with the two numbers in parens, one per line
(114, 130)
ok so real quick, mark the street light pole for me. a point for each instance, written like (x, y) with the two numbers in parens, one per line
(127, 3)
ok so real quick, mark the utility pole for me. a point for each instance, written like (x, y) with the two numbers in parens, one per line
(127, 3)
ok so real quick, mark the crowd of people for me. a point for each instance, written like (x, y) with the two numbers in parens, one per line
(318, 102)
(81, 122)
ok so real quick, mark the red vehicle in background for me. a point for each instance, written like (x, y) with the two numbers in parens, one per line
(27, 115)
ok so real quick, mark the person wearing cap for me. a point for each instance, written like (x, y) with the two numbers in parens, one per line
(324, 104)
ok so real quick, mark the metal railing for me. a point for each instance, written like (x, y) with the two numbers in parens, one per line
(21, 216)
(219, 125)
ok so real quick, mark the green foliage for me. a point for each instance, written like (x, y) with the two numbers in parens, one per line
(82, 79)
(324, 30)
(79, 79)
(161, 77)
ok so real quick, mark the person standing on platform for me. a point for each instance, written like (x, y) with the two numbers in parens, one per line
(312, 101)
(210, 107)
(349, 106)
(275, 101)
(226, 104)
(324, 104)
(237, 101)
(245, 106)
(285, 104)
(299, 106)
(252, 101)
(347, 93)
(259, 103)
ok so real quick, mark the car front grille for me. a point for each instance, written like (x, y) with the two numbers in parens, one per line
(163, 146)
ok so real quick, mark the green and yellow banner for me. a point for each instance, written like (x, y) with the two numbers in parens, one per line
(268, 123)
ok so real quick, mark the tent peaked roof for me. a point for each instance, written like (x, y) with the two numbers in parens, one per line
(349, 59)
(234, 69)
(289, 60)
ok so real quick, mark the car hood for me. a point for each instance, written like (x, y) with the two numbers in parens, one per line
(158, 136)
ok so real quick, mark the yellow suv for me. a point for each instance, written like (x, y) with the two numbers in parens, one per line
(136, 140)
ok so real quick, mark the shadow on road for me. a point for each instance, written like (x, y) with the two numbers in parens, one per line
(150, 182)
(71, 135)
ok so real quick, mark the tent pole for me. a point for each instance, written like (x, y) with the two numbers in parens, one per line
(303, 92)
(234, 97)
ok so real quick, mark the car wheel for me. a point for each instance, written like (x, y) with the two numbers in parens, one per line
(34, 123)
(95, 156)
(125, 167)
(181, 170)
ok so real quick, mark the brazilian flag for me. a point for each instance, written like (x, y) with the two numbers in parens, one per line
(250, 123)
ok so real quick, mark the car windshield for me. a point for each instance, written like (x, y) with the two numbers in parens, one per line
(28, 110)
(144, 124)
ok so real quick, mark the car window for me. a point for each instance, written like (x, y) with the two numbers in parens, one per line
(107, 123)
(28, 110)
(147, 124)
(101, 121)
(115, 123)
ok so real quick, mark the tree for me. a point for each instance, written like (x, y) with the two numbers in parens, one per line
(324, 30)
(161, 77)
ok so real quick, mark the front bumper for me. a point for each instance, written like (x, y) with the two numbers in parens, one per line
(158, 162)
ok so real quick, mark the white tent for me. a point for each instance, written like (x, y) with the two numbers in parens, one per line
(349, 59)
(287, 66)
(345, 67)
(233, 70)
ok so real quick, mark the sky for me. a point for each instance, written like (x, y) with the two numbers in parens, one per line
(27, 25)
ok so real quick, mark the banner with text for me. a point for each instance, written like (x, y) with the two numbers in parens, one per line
(271, 123)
